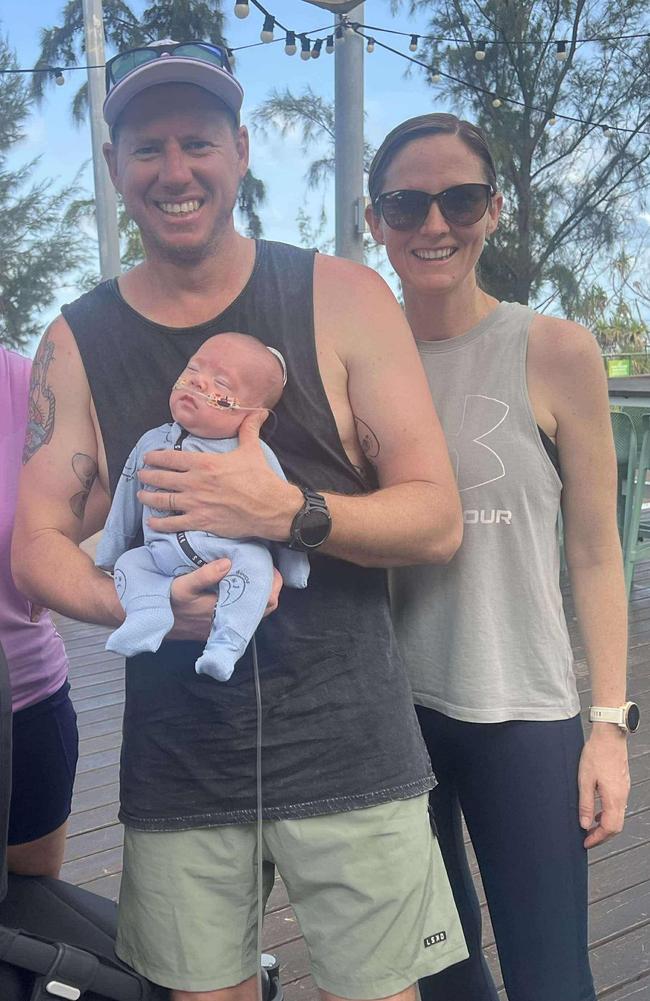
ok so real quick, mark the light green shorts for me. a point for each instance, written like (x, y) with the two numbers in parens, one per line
(368, 887)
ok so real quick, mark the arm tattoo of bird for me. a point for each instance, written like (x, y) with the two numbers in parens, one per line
(85, 469)
(367, 439)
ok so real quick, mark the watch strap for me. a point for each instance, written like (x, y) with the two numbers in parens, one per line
(313, 502)
(607, 714)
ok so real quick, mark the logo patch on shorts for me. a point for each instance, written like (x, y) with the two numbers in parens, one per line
(440, 936)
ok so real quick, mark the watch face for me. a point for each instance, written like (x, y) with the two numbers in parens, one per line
(314, 528)
(633, 717)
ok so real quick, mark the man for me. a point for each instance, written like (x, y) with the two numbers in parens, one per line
(344, 772)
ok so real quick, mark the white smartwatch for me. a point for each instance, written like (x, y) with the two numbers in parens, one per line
(627, 717)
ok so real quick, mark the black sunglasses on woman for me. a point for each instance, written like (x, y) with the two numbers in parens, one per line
(460, 205)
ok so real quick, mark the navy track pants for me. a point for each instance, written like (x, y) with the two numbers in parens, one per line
(516, 783)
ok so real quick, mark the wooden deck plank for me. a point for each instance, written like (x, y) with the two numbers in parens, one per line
(619, 882)
(638, 990)
(92, 820)
(82, 870)
(102, 726)
(97, 796)
(91, 780)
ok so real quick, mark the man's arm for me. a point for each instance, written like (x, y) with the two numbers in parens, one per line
(379, 395)
(415, 516)
(60, 467)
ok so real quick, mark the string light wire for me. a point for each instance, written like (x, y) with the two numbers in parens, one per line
(501, 98)
(497, 41)
(497, 100)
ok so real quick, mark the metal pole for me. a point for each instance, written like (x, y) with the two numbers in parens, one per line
(105, 200)
(348, 143)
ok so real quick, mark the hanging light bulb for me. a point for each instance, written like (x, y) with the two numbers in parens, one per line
(305, 48)
(59, 78)
(413, 45)
(370, 47)
(329, 45)
(561, 53)
(290, 46)
(242, 9)
(434, 76)
(318, 45)
(479, 54)
(266, 34)
(496, 102)
(608, 131)
(552, 119)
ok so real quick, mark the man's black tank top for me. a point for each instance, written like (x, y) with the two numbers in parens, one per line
(338, 726)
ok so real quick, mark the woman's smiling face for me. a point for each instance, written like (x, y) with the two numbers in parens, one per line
(437, 256)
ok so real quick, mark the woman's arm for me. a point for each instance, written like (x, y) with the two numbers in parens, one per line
(565, 360)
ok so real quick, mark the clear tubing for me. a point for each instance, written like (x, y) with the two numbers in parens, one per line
(219, 401)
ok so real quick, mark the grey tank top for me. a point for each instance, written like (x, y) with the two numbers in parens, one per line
(484, 638)
(339, 730)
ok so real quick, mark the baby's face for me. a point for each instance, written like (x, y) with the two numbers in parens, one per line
(222, 368)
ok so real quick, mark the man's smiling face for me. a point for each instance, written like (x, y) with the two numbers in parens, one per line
(177, 161)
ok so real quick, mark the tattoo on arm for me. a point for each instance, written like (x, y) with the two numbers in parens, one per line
(367, 439)
(42, 404)
(85, 469)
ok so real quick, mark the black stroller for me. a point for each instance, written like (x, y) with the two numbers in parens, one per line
(57, 940)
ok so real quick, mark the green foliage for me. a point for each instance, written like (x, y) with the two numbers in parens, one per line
(312, 116)
(312, 234)
(131, 249)
(39, 227)
(252, 194)
(571, 192)
(614, 316)
(125, 28)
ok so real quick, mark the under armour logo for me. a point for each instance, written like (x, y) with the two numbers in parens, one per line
(440, 936)
(476, 463)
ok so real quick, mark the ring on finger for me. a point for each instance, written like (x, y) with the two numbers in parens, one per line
(172, 504)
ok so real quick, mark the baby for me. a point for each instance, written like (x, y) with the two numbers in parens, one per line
(229, 376)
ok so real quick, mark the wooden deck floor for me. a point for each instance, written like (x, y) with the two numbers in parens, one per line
(620, 870)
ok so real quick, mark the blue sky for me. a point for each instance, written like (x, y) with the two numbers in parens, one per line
(390, 96)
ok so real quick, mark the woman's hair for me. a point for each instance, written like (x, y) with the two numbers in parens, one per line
(425, 125)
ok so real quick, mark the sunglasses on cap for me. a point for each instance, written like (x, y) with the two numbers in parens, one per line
(460, 205)
(125, 62)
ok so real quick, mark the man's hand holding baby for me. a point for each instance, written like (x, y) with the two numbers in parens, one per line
(193, 600)
(234, 494)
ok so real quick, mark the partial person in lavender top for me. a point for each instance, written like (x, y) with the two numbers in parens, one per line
(229, 377)
(44, 750)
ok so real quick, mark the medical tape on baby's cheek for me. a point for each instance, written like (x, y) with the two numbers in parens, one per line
(216, 400)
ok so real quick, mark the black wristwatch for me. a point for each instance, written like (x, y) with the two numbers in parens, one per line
(312, 524)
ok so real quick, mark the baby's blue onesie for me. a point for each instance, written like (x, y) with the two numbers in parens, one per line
(144, 576)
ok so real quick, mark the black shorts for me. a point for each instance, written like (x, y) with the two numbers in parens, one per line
(45, 747)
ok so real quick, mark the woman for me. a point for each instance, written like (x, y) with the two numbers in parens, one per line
(44, 723)
(523, 402)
